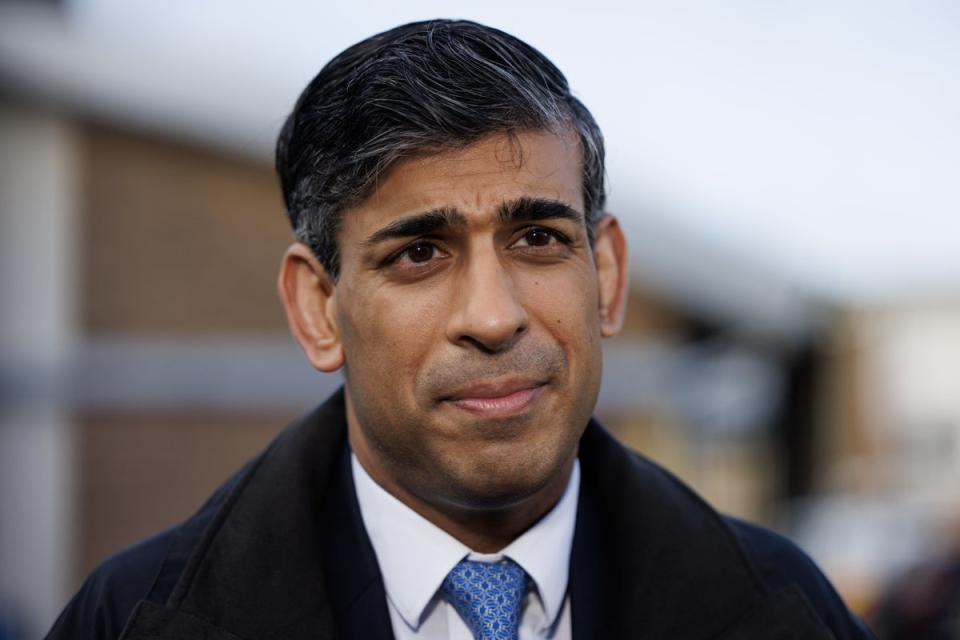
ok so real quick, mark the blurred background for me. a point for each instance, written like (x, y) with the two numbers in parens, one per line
(788, 176)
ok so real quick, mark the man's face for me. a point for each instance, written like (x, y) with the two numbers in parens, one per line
(467, 311)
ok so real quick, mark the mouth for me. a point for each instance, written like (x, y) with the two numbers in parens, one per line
(499, 399)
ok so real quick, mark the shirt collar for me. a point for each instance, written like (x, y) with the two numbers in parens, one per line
(415, 555)
(544, 549)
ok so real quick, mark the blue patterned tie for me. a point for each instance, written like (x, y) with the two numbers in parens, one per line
(487, 596)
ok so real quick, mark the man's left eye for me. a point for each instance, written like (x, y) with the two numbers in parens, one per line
(539, 237)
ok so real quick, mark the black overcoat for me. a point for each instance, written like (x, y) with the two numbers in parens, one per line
(280, 552)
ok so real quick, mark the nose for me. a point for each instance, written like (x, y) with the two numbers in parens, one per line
(487, 314)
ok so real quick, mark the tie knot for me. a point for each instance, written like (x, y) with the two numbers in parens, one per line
(487, 596)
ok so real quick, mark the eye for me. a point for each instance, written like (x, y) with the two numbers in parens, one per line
(416, 256)
(540, 237)
(419, 252)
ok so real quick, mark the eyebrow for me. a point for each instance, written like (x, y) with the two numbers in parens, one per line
(533, 209)
(520, 210)
(419, 224)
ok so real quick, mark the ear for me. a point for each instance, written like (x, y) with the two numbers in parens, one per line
(610, 256)
(309, 298)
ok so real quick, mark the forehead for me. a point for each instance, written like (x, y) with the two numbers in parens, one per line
(477, 179)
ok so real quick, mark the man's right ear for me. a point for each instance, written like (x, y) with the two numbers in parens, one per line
(308, 294)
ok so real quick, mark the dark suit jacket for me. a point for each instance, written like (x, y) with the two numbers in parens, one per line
(280, 552)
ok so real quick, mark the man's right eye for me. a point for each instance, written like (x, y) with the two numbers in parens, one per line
(414, 257)
(419, 252)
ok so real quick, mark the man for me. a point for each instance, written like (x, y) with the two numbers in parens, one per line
(454, 259)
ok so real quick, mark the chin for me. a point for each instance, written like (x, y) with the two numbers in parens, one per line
(504, 479)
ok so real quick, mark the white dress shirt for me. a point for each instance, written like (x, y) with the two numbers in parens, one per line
(415, 556)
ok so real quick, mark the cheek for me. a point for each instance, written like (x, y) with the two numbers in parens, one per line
(565, 304)
(388, 334)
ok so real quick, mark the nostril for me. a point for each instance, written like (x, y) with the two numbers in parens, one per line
(479, 346)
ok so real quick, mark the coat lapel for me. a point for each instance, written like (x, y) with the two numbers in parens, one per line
(285, 555)
(784, 615)
(359, 599)
(651, 560)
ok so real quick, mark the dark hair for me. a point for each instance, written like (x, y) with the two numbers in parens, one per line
(421, 87)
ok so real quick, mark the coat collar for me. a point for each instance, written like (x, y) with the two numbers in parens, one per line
(667, 560)
(283, 554)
